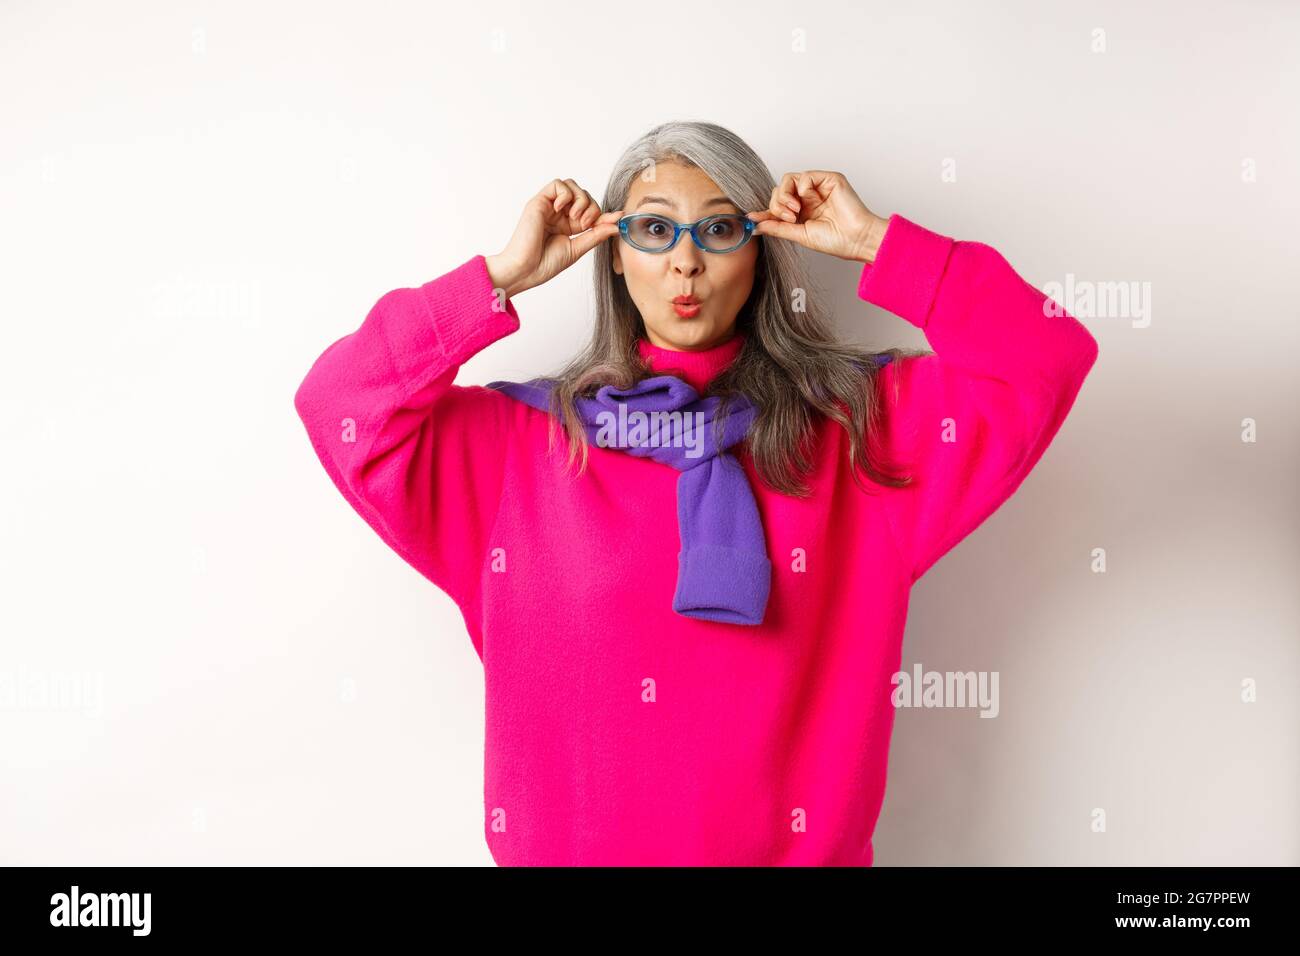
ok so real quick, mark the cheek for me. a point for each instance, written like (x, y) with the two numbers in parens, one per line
(740, 279)
(637, 270)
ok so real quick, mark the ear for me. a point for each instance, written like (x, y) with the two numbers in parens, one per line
(618, 258)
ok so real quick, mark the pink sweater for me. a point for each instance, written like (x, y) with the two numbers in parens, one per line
(617, 731)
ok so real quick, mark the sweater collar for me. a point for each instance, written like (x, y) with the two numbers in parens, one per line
(696, 368)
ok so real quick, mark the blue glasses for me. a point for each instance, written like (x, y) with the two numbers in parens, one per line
(653, 233)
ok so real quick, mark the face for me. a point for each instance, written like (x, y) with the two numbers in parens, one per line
(720, 282)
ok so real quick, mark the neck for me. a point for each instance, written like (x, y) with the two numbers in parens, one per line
(697, 368)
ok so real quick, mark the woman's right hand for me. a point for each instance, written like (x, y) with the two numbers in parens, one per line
(560, 225)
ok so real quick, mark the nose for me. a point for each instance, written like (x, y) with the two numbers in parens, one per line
(687, 260)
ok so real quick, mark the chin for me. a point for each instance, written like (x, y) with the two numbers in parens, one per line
(688, 336)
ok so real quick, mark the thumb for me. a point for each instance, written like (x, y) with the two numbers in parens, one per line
(768, 225)
(584, 242)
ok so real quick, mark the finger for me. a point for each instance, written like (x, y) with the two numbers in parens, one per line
(790, 192)
(826, 177)
(839, 183)
(764, 223)
(810, 197)
(581, 199)
(585, 210)
(779, 229)
(563, 194)
(776, 206)
(550, 192)
(585, 242)
(785, 203)
(593, 214)
(582, 221)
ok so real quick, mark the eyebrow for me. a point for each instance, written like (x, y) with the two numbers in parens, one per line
(715, 201)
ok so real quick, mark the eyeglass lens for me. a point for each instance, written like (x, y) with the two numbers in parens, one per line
(653, 232)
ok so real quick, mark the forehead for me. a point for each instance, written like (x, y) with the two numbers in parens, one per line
(681, 186)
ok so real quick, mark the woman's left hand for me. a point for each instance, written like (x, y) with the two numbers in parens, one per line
(820, 210)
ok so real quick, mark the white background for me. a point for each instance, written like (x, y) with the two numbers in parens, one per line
(197, 198)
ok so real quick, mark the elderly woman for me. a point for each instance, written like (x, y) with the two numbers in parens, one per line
(688, 640)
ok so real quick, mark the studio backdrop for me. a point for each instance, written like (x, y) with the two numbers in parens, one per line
(208, 657)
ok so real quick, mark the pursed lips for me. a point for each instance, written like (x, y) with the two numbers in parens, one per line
(686, 306)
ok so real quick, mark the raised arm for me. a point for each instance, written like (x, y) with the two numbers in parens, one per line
(420, 459)
(971, 420)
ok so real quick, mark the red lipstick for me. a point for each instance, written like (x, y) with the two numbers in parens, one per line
(686, 306)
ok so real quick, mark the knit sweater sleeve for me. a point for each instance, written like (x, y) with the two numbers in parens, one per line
(420, 459)
(970, 420)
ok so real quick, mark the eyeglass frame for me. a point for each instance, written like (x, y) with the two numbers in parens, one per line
(691, 227)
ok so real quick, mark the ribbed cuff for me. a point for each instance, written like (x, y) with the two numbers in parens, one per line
(722, 584)
(905, 276)
(463, 311)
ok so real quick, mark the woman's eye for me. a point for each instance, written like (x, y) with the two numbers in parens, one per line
(656, 224)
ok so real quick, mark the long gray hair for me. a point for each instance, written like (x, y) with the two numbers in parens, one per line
(791, 366)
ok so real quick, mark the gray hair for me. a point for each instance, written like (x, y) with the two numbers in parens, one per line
(791, 365)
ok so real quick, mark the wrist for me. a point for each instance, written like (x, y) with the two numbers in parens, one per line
(868, 246)
(504, 276)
